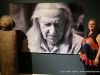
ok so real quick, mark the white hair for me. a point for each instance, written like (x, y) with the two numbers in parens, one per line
(34, 33)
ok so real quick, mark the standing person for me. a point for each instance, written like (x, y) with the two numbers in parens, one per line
(90, 49)
(51, 30)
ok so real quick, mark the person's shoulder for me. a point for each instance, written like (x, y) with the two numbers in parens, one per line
(98, 36)
(76, 42)
(76, 36)
(75, 39)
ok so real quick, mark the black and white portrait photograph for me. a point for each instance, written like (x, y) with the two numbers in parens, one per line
(50, 27)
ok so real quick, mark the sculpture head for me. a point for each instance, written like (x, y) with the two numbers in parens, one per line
(7, 22)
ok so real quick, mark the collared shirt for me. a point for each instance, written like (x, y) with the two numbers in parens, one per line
(44, 48)
(70, 45)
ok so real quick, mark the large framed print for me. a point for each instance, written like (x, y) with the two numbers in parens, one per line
(50, 27)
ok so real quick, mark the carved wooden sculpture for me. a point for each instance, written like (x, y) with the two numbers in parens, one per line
(8, 47)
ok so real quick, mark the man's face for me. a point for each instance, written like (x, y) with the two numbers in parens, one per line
(92, 25)
(52, 25)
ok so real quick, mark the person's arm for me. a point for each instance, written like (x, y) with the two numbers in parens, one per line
(98, 53)
(98, 41)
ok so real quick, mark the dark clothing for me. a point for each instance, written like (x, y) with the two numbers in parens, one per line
(92, 70)
(89, 49)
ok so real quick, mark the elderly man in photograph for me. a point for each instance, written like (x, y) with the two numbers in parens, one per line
(51, 30)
